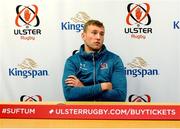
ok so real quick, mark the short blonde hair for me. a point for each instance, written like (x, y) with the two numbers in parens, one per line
(92, 22)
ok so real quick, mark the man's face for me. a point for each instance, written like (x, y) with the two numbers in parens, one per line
(93, 38)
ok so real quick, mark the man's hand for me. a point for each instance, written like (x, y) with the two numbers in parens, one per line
(106, 86)
(73, 81)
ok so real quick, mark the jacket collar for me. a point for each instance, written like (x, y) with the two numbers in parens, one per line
(90, 55)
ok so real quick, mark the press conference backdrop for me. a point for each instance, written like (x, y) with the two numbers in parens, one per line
(36, 37)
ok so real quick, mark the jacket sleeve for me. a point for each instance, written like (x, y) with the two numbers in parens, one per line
(77, 93)
(119, 83)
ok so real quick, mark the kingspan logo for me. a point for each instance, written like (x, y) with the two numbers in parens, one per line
(138, 16)
(176, 25)
(139, 68)
(77, 23)
(27, 69)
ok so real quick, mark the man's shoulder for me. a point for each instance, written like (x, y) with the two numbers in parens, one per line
(73, 57)
(112, 54)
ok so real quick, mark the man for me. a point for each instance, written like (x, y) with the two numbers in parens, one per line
(94, 73)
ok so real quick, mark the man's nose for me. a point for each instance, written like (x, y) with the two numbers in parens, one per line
(98, 36)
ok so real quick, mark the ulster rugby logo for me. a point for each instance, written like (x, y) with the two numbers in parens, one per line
(137, 19)
(36, 98)
(26, 22)
(138, 14)
(27, 16)
(136, 98)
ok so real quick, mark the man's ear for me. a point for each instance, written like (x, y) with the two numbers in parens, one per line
(82, 35)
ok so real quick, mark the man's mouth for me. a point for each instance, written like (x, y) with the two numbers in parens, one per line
(97, 42)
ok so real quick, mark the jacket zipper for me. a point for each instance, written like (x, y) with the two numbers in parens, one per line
(94, 70)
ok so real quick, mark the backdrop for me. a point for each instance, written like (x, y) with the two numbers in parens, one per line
(36, 37)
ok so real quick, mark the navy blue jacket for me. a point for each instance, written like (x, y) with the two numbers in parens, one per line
(92, 69)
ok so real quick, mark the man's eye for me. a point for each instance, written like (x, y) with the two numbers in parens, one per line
(102, 34)
(94, 32)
